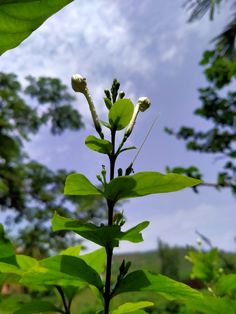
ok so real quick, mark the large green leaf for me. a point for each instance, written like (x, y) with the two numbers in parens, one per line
(131, 307)
(145, 183)
(62, 270)
(98, 145)
(142, 280)
(78, 184)
(101, 235)
(17, 264)
(38, 307)
(19, 18)
(121, 113)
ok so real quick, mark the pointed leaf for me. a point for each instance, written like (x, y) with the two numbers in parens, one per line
(145, 183)
(141, 280)
(37, 307)
(96, 260)
(19, 18)
(133, 234)
(72, 251)
(62, 270)
(121, 113)
(98, 145)
(78, 184)
(131, 307)
(101, 235)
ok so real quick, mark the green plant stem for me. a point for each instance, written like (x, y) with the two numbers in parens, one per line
(67, 308)
(109, 250)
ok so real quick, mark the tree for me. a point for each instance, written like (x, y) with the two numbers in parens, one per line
(29, 191)
(219, 108)
(225, 41)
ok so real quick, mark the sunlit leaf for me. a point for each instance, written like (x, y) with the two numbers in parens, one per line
(78, 184)
(62, 270)
(19, 18)
(145, 183)
(98, 145)
(96, 260)
(131, 307)
(141, 280)
(121, 113)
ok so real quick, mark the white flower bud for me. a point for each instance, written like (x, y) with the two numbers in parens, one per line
(78, 83)
(144, 103)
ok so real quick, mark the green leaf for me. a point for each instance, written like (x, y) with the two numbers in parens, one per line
(19, 18)
(96, 260)
(212, 305)
(206, 265)
(133, 234)
(78, 184)
(131, 307)
(17, 264)
(72, 251)
(145, 183)
(226, 284)
(98, 145)
(107, 236)
(121, 113)
(142, 280)
(37, 307)
(62, 270)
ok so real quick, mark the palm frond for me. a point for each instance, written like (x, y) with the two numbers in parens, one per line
(199, 8)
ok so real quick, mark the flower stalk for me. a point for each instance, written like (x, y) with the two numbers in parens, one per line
(79, 85)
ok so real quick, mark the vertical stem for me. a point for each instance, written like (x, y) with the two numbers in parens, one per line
(109, 251)
(67, 308)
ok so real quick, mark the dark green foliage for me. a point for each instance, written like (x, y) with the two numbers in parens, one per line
(225, 41)
(30, 190)
(219, 108)
(169, 259)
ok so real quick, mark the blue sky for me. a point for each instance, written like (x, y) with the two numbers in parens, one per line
(154, 52)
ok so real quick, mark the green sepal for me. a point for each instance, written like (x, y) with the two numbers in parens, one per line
(19, 18)
(78, 184)
(121, 113)
(107, 236)
(37, 307)
(131, 307)
(98, 145)
(145, 183)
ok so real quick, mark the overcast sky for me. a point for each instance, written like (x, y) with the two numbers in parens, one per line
(154, 52)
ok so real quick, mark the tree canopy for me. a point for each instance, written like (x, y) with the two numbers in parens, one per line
(29, 191)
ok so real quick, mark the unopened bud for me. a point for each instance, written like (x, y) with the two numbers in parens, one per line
(144, 103)
(78, 83)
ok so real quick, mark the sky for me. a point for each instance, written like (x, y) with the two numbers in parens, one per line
(153, 51)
